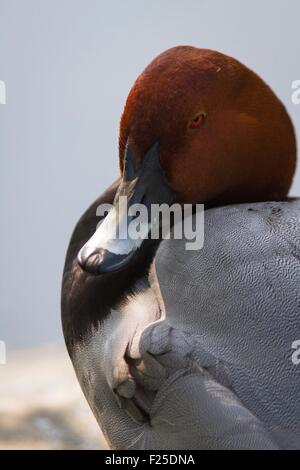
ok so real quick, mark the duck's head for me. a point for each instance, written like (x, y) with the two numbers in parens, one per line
(198, 127)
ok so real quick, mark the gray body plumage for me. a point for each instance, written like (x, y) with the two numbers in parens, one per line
(217, 371)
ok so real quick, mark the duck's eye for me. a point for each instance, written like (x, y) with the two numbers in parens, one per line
(197, 120)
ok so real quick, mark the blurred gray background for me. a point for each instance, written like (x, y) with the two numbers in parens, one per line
(68, 66)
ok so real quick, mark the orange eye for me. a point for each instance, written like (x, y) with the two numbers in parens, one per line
(198, 120)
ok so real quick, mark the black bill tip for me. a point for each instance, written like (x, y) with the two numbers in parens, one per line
(101, 261)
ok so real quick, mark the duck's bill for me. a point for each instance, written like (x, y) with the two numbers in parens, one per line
(129, 221)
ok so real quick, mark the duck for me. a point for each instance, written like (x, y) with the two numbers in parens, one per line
(192, 349)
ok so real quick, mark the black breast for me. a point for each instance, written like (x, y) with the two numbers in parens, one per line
(87, 299)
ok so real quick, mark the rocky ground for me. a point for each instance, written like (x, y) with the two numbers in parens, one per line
(41, 404)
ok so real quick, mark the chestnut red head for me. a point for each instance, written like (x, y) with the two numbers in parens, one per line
(223, 135)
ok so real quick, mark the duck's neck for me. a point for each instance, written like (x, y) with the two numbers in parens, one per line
(88, 299)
